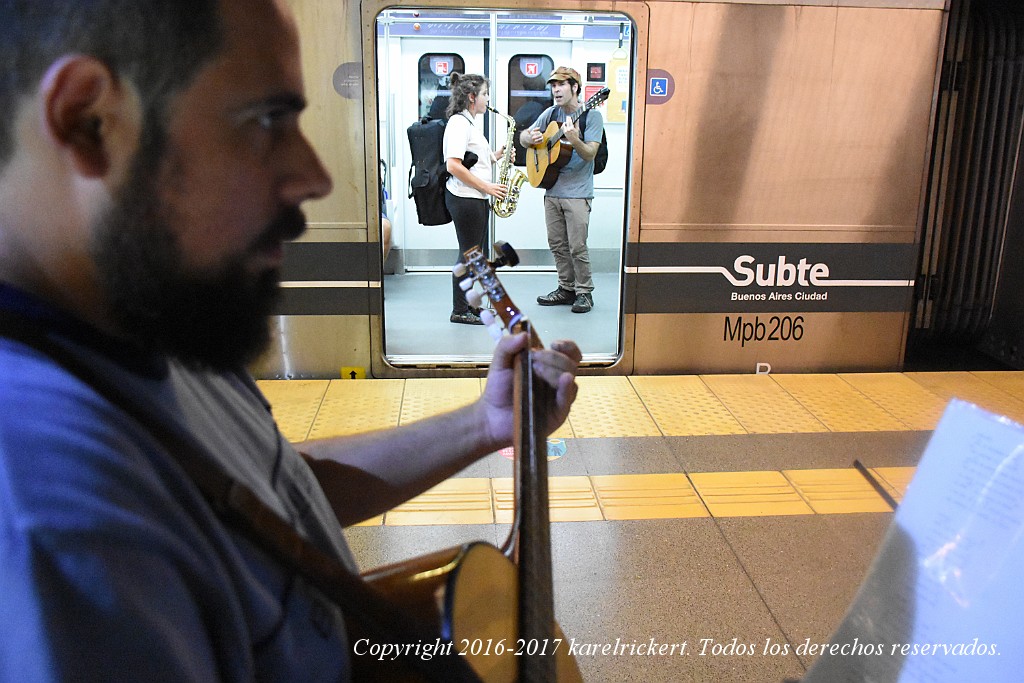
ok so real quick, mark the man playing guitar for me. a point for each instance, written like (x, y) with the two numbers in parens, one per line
(567, 202)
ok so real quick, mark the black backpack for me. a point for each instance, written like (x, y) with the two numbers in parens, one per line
(428, 173)
(601, 160)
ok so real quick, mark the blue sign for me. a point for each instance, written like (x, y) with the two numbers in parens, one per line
(659, 87)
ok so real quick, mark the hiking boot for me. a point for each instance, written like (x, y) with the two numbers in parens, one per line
(559, 297)
(467, 318)
(584, 302)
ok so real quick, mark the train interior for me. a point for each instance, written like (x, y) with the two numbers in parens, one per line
(415, 56)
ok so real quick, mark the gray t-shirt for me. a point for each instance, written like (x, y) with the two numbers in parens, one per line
(576, 178)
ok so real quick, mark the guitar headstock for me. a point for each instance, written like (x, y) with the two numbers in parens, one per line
(597, 98)
(481, 271)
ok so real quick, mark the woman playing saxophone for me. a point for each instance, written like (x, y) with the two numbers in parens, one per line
(467, 189)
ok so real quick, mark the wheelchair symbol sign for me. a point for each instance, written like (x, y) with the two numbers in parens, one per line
(659, 87)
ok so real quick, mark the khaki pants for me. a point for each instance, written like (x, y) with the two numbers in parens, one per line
(568, 222)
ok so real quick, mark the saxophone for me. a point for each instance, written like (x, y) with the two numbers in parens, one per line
(508, 175)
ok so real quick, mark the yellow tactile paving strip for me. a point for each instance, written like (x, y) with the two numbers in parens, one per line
(571, 499)
(900, 396)
(662, 406)
(748, 494)
(361, 405)
(455, 501)
(608, 406)
(684, 406)
(761, 405)
(657, 496)
(427, 397)
(834, 491)
(894, 479)
(837, 404)
(1010, 382)
(970, 386)
(295, 404)
(648, 496)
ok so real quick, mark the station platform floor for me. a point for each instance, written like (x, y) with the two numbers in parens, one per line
(720, 511)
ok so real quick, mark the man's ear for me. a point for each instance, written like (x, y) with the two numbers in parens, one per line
(81, 99)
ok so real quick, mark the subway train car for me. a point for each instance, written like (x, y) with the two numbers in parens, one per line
(801, 187)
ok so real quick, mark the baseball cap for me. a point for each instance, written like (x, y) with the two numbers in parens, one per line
(565, 73)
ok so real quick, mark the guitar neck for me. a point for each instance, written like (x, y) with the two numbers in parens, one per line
(529, 540)
(531, 532)
(574, 117)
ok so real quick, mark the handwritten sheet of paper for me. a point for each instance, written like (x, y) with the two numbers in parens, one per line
(944, 598)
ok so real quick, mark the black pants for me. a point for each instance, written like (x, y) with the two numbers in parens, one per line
(470, 218)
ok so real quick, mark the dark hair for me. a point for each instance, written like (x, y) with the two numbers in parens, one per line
(461, 87)
(157, 45)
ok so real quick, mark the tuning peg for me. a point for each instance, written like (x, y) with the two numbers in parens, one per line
(466, 285)
(459, 269)
(474, 298)
(494, 328)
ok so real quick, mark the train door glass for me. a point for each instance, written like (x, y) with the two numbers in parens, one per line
(434, 72)
(528, 92)
(417, 50)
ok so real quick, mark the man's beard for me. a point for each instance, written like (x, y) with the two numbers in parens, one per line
(217, 318)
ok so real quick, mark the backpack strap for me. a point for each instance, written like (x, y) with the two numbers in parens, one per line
(241, 508)
(549, 114)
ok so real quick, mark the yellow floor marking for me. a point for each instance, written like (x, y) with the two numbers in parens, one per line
(608, 406)
(1010, 382)
(762, 406)
(427, 397)
(359, 405)
(294, 404)
(836, 491)
(647, 496)
(454, 501)
(838, 405)
(684, 406)
(647, 406)
(895, 479)
(969, 387)
(900, 396)
(748, 494)
(373, 521)
(571, 499)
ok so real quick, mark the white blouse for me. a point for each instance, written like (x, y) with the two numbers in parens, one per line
(464, 134)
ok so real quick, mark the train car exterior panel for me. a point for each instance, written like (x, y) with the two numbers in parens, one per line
(780, 341)
(784, 127)
(788, 118)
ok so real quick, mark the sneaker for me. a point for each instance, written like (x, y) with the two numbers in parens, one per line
(584, 302)
(559, 297)
(467, 318)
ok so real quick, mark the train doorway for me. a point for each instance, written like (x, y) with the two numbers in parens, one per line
(417, 50)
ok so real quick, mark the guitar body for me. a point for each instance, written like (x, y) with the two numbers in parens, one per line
(469, 593)
(545, 160)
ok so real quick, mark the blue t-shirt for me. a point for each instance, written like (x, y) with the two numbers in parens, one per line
(576, 178)
(114, 567)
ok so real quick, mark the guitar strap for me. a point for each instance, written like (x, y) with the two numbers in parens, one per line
(241, 508)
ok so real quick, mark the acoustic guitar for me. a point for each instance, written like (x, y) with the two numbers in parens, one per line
(545, 159)
(491, 607)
